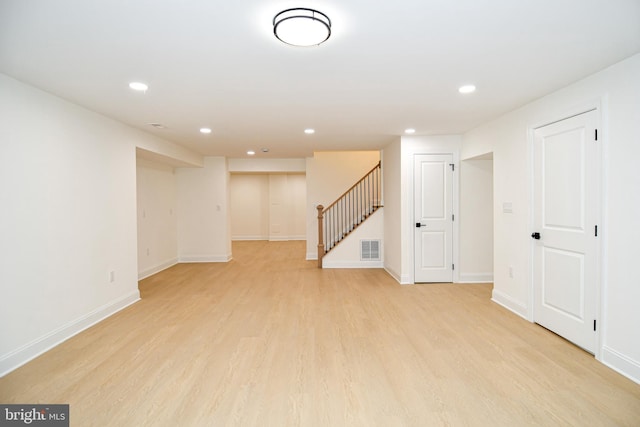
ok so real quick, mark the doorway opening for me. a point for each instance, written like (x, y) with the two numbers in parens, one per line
(476, 219)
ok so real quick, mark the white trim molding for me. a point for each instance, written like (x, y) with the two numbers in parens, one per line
(509, 303)
(205, 258)
(267, 238)
(29, 351)
(403, 280)
(286, 238)
(351, 264)
(475, 278)
(157, 269)
(392, 273)
(242, 238)
(622, 364)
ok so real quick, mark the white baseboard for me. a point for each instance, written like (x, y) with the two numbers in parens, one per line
(240, 238)
(206, 258)
(475, 278)
(29, 351)
(509, 303)
(157, 269)
(286, 238)
(622, 364)
(351, 264)
(272, 239)
(312, 256)
(392, 273)
(403, 280)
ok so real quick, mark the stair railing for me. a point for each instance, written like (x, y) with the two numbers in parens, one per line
(350, 210)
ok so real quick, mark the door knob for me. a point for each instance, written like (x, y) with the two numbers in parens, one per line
(418, 225)
(536, 235)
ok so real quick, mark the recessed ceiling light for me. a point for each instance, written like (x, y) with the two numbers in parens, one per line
(158, 125)
(265, 150)
(140, 87)
(205, 130)
(309, 131)
(410, 130)
(251, 152)
(467, 89)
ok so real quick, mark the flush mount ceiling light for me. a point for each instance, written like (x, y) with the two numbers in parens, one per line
(302, 27)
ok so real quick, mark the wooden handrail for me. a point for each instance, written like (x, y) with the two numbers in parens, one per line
(352, 187)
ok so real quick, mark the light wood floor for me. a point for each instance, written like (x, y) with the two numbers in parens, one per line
(270, 340)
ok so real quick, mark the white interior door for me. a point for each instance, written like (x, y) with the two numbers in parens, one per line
(566, 200)
(433, 203)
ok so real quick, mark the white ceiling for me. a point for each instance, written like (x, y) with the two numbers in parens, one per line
(388, 65)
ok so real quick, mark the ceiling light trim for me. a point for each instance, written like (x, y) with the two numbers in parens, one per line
(302, 27)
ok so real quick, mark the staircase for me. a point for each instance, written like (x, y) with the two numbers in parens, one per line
(340, 218)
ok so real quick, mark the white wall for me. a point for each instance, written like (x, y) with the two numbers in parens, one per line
(476, 220)
(68, 219)
(329, 175)
(257, 165)
(249, 198)
(472, 207)
(392, 201)
(616, 90)
(204, 228)
(278, 211)
(347, 253)
(157, 222)
(268, 206)
(287, 201)
(297, 206)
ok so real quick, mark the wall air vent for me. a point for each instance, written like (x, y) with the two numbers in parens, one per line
(370, 250)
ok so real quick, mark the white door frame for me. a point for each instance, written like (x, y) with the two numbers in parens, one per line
(445, 273)
(409, 216)
(600, 214)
